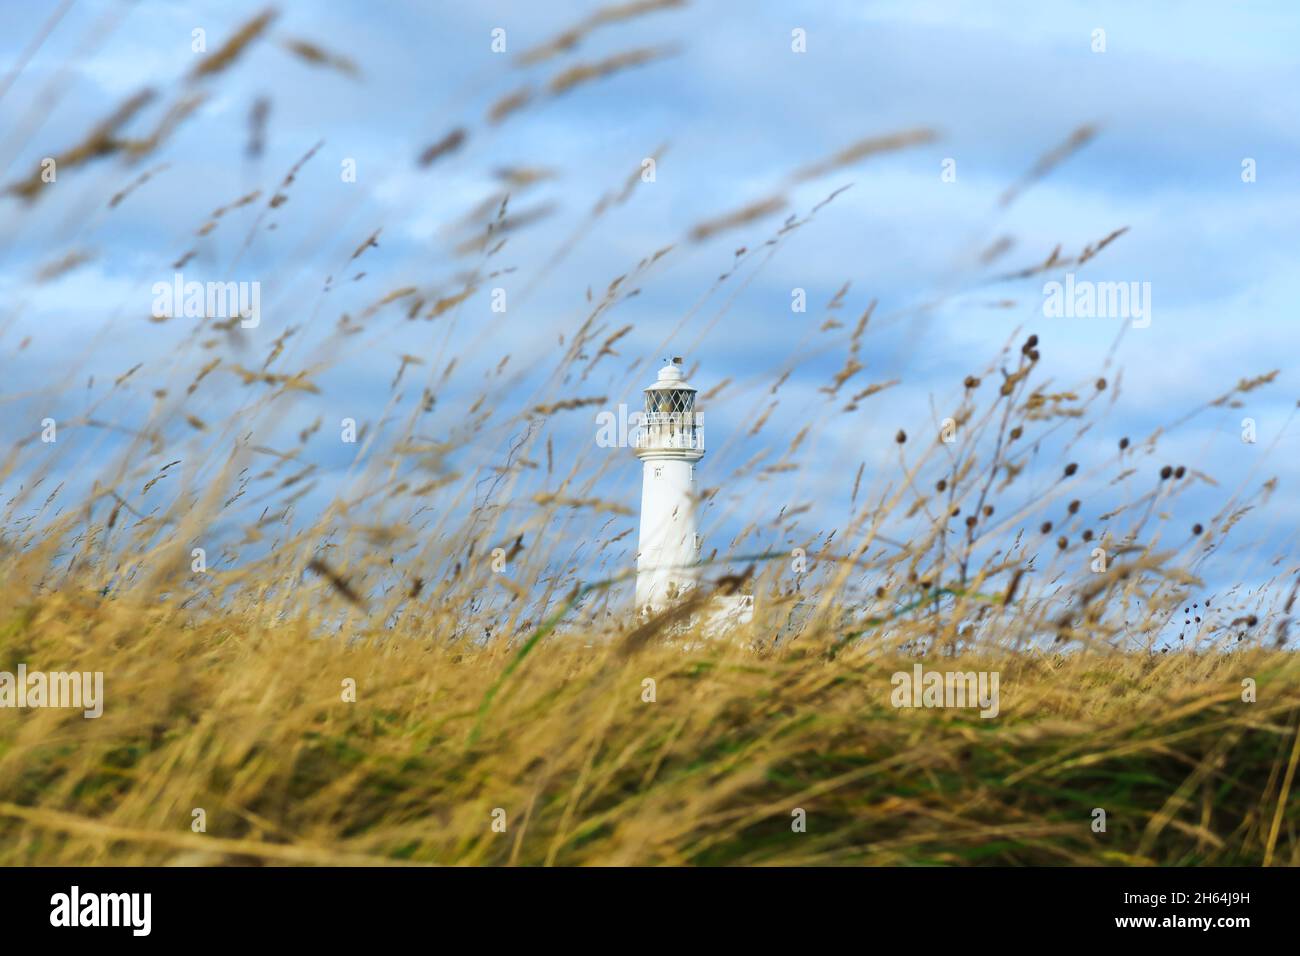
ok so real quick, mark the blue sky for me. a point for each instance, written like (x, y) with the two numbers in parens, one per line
(1181, 95)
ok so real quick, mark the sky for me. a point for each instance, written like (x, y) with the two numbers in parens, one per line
(1183, 97)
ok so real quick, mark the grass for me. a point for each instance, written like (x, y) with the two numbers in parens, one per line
(250, 724)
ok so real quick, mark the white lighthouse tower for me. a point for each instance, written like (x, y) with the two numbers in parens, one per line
(669, 441)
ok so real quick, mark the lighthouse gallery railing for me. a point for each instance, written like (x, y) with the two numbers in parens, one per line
(684, 430)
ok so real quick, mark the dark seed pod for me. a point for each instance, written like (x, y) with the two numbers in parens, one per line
(1123, 443)
(1062, 542)
(1180, 471)
(1165, 472)
(1074, 506)
(1046, 528)
(1016, 432)
(1197, 529)
(901, 436)
(1070, 469)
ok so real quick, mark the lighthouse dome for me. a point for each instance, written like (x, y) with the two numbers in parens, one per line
(671, 377)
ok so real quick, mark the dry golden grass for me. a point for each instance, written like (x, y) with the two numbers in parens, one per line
(245, 719)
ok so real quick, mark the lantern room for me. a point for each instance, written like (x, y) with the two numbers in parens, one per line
(670, 425)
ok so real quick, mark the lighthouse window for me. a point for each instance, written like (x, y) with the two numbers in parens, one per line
(670, 401)
(659, 471)
(692, 472)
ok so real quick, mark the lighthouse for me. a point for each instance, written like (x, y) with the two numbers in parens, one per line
(669, 442)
